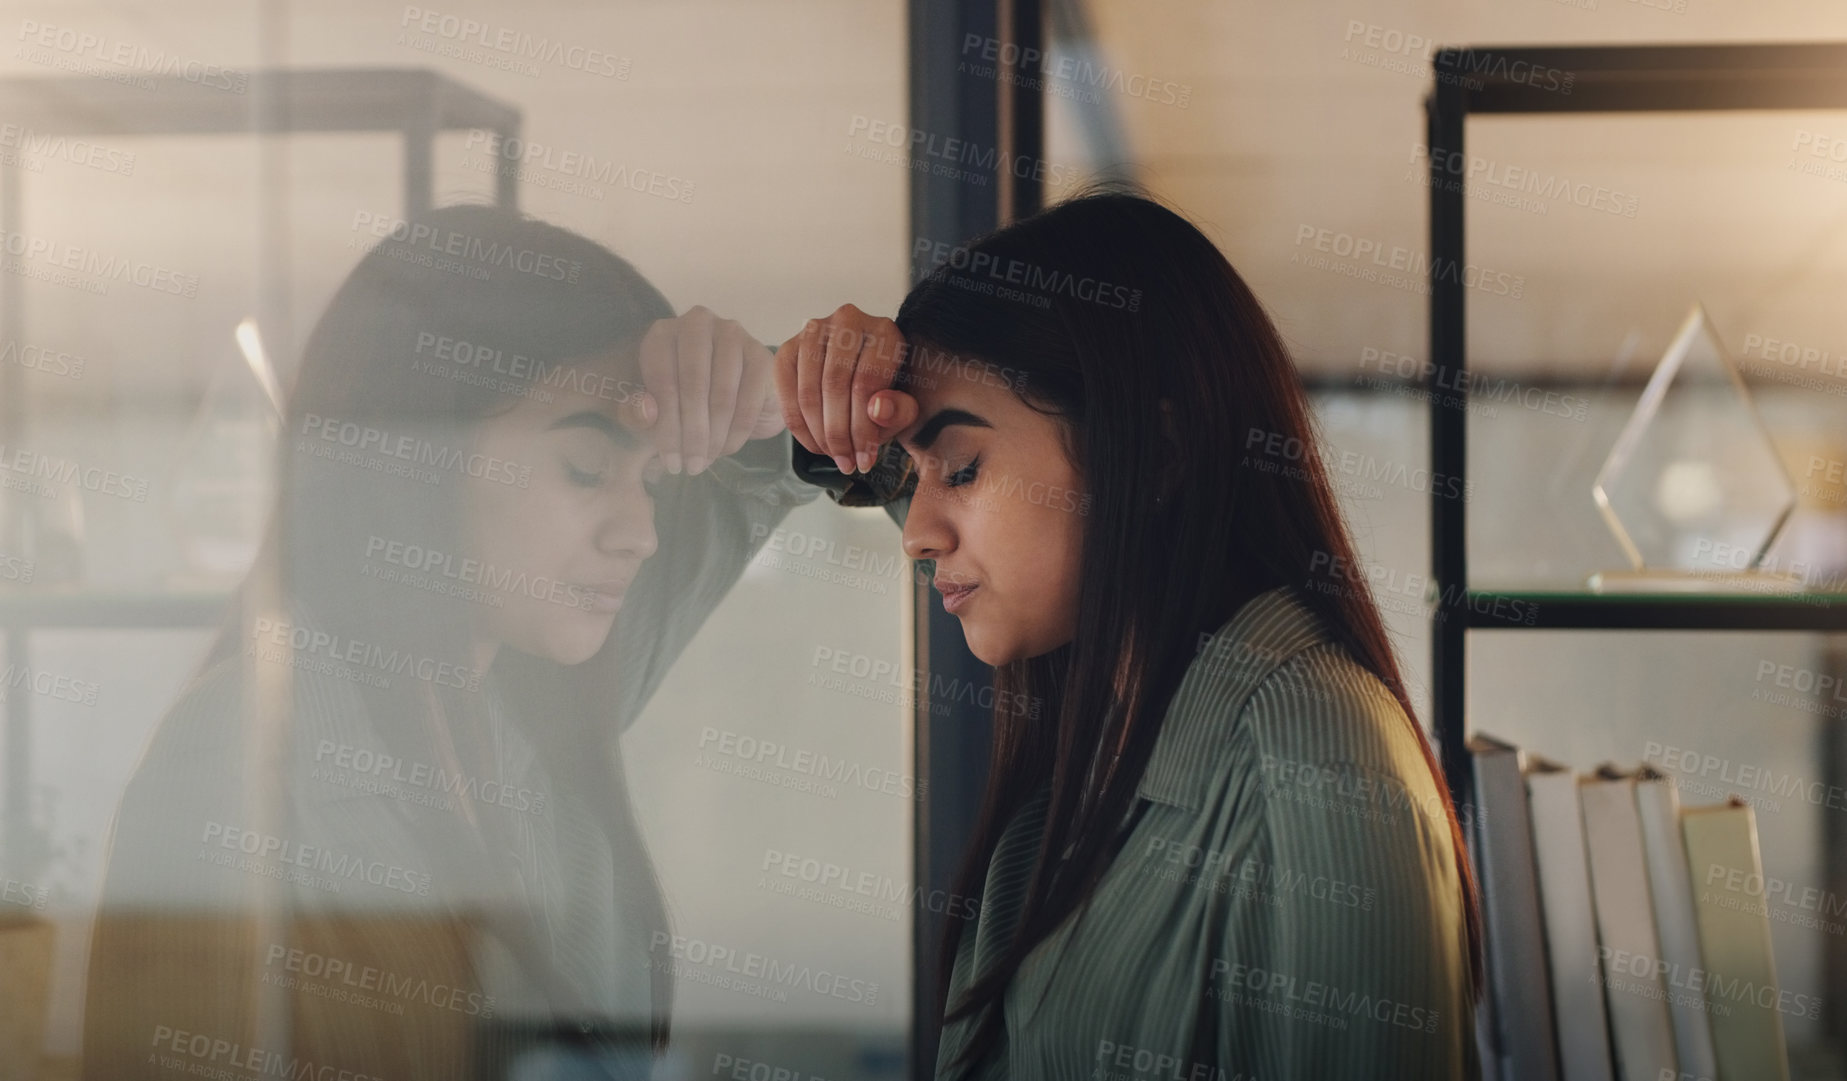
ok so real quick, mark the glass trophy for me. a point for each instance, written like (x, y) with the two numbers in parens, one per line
(1694, 489)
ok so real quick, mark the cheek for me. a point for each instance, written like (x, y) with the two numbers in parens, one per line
(516, 527)
(1061, 549)
(1042, 545)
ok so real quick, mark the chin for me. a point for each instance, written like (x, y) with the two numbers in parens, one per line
(576, 647)
(995, 652)
(988, 652)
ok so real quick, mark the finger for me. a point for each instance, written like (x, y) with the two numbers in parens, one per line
(658, 361)
(694, 372)
(893, 411)
(788, 360)
(756, 414)
(808, 383)
(637, 410)
(842, 351)
(729, 344)
(878, 364)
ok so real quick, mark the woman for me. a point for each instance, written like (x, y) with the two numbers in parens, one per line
(384, 832)
(1227, 850)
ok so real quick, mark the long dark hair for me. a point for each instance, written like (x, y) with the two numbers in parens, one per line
(399, 351)
(1107, 306)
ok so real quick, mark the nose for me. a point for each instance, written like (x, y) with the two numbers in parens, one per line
(627, 527)
(928, 533)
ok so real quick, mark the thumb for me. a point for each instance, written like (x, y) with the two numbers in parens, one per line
(892, 410)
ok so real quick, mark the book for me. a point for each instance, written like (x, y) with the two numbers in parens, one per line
(1641, 1031)
(1570, 921)
(1734, 936)
(1657, 801)
(1521, 1034)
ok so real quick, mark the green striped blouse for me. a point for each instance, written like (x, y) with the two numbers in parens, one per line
(1286, 904)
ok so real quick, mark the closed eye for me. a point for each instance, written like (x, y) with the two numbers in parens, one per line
(583, 478)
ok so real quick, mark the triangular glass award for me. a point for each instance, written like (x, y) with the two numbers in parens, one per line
(1694, 489)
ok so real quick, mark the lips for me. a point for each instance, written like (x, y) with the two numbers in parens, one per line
(602, 597)
(955, 594)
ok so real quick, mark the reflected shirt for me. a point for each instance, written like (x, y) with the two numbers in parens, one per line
(1285, 903)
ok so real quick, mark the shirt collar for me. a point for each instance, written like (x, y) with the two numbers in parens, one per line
(1271, 628)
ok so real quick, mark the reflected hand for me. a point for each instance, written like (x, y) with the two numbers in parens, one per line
(834, 380)
(713, 386)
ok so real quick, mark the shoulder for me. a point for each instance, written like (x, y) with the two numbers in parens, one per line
(202, 745)
(1323, 708)
(1274, 704)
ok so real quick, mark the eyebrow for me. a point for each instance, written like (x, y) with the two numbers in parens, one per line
(933, 427)
(590, 418)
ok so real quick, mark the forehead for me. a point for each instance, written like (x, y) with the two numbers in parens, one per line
(975, 386)
(613, 413)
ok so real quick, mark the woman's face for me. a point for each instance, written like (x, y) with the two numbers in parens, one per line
(999, 507)
(561, 551)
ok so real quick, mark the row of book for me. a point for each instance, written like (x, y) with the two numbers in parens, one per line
(1627, 936)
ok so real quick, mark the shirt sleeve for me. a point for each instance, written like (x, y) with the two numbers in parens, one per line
(710, 526)
(1342, 953)
(888, 484)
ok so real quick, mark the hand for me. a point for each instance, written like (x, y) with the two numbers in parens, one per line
(834, 380)
(713, 386)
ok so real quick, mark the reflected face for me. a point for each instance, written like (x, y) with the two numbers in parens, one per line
(566, 546)
(999, 507)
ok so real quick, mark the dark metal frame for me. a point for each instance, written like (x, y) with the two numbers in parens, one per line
(1670, 78)
(952, 746)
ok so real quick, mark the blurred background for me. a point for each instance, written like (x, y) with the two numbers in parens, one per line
(156, 194)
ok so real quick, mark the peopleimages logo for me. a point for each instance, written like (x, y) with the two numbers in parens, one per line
(309, 649)
(877, 888)
(1028, 277)
(1231, 978)
(92, 265)
(48, 684)
(411, 449)
(42, 358)
(470, 255)
(377, 771)
(31, 467)
(495, 582)
(1396, 265)
(807, 763)
(517, 45)
(213, 1057)
(29, 146)
(752, 973)
(943, 154)
(570, 171)
(85, 45)
(1717, 989)
(265, 847)
(349, 982)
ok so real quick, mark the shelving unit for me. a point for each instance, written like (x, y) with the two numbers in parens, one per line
(1679, 78)
(412, 102)
(1664, 78)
